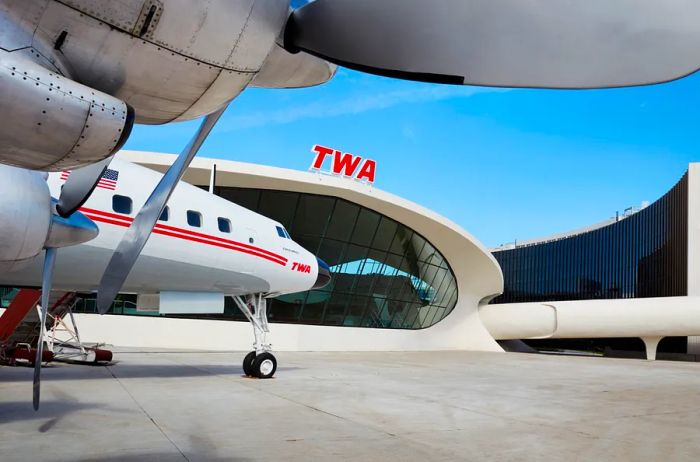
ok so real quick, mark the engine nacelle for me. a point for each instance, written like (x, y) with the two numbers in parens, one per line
(283, 69)
(28, 223)
(25, 215)
(56, 123)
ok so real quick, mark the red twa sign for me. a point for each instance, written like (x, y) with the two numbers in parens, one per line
(345, 164)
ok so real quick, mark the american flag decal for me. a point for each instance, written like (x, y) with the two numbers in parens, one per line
(108, 180)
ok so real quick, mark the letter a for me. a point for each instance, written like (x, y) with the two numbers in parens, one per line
(367, 171)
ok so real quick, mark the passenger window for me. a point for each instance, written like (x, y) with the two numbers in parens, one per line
(121, 204)
(280, 232)
(224, 225)
(165, 215)
(194, 218)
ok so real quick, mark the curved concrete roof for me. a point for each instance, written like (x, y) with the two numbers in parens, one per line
(478, 275)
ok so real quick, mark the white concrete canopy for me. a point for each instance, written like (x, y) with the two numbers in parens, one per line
(650, 319)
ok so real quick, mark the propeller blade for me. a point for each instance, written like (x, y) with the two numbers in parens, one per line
(46, 282)
(138, 233)
(505, 43)
(79, 185)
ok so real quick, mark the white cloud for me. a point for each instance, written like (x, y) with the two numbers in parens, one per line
(350, 105)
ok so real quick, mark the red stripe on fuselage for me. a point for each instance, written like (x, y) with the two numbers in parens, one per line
(106, 214)
(171, 231)
(186, 232)
(222, 240)
(177, 232)
(107, 220)
(217, 244)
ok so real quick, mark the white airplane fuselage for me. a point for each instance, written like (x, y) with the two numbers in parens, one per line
(252, 258)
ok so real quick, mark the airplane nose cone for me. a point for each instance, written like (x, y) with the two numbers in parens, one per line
(324, 275)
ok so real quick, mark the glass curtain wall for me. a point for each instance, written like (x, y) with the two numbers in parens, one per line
(641, 255)
(385, 275)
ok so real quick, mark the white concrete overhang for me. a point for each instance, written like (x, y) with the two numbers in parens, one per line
(631, 317)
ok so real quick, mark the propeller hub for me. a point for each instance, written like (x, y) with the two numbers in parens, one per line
(74, 230)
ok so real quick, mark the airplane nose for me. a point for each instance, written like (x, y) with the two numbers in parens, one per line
(324, 275)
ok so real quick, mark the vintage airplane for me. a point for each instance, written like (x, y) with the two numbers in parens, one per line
(203, 248)
(75, 75)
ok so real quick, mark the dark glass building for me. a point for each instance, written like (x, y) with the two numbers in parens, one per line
(385, 275)
(644, 254)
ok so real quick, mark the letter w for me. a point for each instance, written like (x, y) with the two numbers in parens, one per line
(345, 164)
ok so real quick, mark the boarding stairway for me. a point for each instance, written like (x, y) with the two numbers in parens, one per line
(20, 327)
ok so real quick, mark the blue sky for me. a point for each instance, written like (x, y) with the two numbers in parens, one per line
(504, 164)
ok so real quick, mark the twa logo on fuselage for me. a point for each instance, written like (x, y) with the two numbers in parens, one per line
(345, 164)
(302, 268)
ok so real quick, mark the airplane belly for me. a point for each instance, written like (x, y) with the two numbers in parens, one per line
(152, 274)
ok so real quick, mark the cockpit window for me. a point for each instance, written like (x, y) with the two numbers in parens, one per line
(280, 232)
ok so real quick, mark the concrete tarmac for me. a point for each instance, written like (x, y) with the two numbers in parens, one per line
(175, 406)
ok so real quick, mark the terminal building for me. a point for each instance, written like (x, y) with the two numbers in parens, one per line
(621, 271)
(406, 278)
(642, 253)
(399, 271)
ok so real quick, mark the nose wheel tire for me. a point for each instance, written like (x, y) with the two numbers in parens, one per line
(248, 364)
(259, 363)
(264, 365)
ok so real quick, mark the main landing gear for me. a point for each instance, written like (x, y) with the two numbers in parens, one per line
(260, 363)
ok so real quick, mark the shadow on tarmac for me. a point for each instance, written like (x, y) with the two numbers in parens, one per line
(58, 372)
(53, 410)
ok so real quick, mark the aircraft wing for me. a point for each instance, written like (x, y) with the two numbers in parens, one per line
(509, 43)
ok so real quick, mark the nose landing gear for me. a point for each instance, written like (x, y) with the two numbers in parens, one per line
(260, 363)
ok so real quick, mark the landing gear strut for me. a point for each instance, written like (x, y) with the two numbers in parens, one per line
(260, 363)
(70, 348)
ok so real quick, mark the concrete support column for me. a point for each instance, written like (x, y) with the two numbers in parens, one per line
(651, 343)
